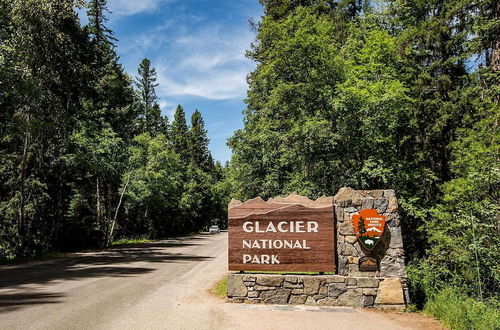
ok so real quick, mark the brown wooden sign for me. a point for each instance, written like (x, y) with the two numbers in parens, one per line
(286, 234)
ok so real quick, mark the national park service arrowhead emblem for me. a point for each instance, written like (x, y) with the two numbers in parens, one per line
(368, 227)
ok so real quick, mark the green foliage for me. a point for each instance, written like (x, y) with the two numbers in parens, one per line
(460, 312)
(345, 94)
(75, 171)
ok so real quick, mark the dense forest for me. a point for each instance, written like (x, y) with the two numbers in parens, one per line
(85, 154)
(393, 94)
(396, 94)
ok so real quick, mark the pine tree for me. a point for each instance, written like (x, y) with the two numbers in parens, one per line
(200, 155)
(97, 11)
(180, 135)
(146, 84)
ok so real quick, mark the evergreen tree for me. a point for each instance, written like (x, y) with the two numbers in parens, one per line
(180, 135)
(200, 155)
(146, 84)
(97, 14)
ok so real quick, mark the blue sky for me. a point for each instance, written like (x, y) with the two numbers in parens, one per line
(198, 48)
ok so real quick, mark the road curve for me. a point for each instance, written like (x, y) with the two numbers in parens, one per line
(160, 285)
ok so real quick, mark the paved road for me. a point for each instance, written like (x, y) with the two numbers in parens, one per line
(160, 285)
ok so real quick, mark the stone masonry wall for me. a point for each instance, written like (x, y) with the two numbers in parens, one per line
(320, 290)
(389, 250)
(384, 288)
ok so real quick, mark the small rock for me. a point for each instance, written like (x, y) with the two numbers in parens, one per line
(249, 283)
(364, 282)
(327, 302)
(297, 300)
(389, 193)
(248, 278)
(390, 291)
(352, 260)
(310, 301)
(390, 267)
(367, 203)
(396, 238)
(339, 214)
(370, 292)
(323, 290)
(253, 294)
(352, 298)
(293, 286)
(395, 253)
(392, 220)
(278, 296)
(351, 281)
(311, 285)
(264, 288)
(351, 239)
(393, 205)
(369, 301)
(351, 210)
(381, 204)
(346, 228)
(347, 216)
(235, 286)
(348, 250)
(335, 279)
(270, 280)
(297, 291)
(347, 194)
(291, 279)
(358, 249)
(336, 289)
(357, 202)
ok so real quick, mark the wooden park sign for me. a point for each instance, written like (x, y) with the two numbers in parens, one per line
(282, 234)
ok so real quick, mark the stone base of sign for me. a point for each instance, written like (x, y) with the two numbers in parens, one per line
(389, 251)
(320, 290)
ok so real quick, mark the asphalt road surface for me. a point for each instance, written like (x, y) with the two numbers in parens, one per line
(160, 285)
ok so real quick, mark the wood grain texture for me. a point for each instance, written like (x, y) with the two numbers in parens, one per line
(320, 256)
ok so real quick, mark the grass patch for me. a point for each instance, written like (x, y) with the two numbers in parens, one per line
(286, 273)
(220, 289)
(127, 241)
(458, 311)
(44, 256)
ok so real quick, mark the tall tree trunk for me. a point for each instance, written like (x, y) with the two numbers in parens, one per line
(117, 209)
(22, 199)
(98, 200)
(495, 51)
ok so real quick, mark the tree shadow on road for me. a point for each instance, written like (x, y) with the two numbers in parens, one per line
(116, 262)
(12, 302)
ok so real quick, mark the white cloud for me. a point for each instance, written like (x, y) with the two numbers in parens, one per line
(131, 7)
(207, 62)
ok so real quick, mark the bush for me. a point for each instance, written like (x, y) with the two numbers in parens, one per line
(459, 311)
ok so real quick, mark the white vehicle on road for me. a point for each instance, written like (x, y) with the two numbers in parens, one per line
(214, 230)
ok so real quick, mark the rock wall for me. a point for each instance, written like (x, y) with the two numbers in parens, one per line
(389, 251)
(320, 290)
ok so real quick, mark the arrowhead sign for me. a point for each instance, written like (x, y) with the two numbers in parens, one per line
(368, 227)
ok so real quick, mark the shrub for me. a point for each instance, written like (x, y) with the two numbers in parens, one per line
(459, 311)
